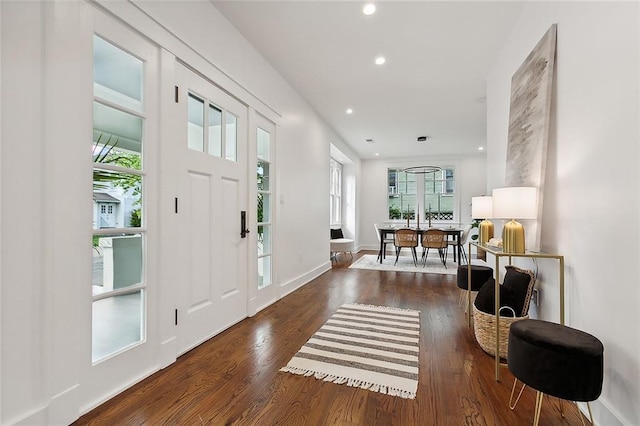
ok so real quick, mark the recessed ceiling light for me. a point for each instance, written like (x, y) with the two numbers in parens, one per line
(369, 9)
(481, 148)
(380, 60)
(349, 111)
(377, 153)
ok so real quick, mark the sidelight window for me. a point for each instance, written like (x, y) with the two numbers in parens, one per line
(264, 208)
(118, 249)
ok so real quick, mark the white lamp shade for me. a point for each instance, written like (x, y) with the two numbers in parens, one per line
(515, 203)
(482, 207)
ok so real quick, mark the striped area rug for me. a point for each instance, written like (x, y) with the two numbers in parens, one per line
(371, 347)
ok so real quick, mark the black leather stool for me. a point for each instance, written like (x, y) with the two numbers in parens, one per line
(479, 275)
(555, 360)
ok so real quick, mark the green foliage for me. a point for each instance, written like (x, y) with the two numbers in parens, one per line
(394, 212)
(136, 218)
(105, 152)
(475, 224)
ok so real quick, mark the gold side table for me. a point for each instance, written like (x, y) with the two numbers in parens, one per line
(498, 253)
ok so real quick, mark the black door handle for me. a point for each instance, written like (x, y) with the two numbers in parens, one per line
(243, 224)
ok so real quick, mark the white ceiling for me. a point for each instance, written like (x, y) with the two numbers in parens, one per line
(432, 84)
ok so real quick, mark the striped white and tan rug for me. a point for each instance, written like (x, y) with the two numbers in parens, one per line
(371, 347)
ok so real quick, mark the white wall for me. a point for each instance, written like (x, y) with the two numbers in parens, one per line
(592, 192)
(470, 181)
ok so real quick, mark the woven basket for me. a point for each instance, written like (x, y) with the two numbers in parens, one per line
(485, 329)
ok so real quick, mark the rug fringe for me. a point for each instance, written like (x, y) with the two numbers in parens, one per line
(374, 387)
(383, 308)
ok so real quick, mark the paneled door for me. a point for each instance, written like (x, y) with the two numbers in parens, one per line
(211, 156)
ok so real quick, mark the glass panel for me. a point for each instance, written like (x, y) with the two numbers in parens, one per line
(402, 194)
(264, 239)
(264, 144)
(117, 137)
(117, 262)
(123, 193)
(195, 126)
(215, 131)
(231, 146)
(117, 75)
(264, 207)
(117, 324)
(263, 176)
(264, 271)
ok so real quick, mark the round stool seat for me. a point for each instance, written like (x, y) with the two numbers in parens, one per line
(479, 275)
(557, 360)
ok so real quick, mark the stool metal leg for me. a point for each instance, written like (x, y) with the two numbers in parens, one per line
(581, 416)
(539, 399)
(580, 413)
(590, 413)
(512, 404)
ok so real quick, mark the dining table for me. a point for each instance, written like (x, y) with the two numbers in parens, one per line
(454, 232)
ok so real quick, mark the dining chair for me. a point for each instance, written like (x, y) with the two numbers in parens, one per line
(464, 237)
(386, 240)
(437, 239)
(406, 237)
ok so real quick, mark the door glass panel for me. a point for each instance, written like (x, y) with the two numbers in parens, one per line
(117, 137)
(264, 145)
(263, 176)
(264, 207)
(117, 262)
(117, 75)
(264, 271)
(264, 239)
(116, 324)
(121, 191)
(231, 147)
(215, 131)
(195, 125)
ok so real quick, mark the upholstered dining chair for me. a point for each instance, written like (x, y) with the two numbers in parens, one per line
(436, 239)
(406, 237)
(464, 238)
(386, 240)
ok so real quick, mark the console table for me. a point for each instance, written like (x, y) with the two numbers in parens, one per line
(498, 253)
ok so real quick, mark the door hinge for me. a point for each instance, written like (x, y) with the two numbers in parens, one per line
(176, 94)
(176, 317)
(176, 204)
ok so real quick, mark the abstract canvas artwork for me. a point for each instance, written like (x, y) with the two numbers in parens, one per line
(531, 89)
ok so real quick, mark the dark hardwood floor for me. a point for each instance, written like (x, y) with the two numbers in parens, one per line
(234, 379)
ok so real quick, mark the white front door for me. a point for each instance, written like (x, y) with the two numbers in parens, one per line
(107, 215)
(211, 152)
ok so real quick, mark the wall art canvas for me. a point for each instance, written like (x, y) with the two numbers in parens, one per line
(531, 90)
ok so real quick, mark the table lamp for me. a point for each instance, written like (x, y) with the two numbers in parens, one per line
(482, 208)
(514, 203)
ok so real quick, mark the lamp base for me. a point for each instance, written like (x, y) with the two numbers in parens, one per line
(513, 237)
(485, 233)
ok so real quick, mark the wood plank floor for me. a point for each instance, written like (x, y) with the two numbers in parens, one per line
(234, 379)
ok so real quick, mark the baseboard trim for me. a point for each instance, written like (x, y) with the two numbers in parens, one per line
(603, 414)
(294, 284)
(168, 350)
(61, 410)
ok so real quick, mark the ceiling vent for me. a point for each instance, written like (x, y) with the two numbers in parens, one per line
(422, 138)
(369, 141)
